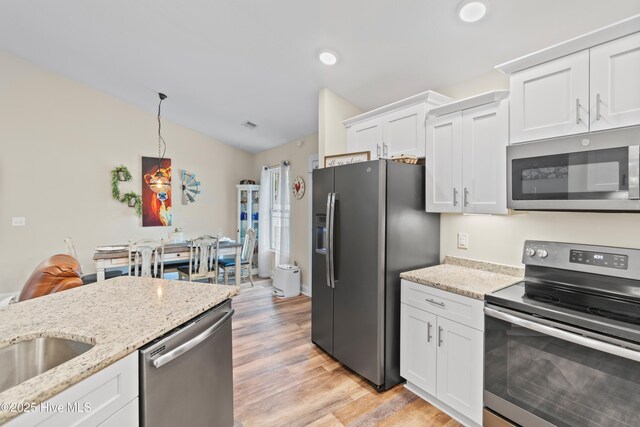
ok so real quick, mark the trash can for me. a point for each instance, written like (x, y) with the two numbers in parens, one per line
(286, 281)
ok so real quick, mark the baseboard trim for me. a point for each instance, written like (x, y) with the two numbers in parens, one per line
(463, 419)
(305, 290)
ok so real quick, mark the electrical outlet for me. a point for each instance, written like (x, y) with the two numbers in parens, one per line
(463, 241)
(18, 221)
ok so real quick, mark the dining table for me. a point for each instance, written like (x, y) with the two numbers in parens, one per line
(117, 256)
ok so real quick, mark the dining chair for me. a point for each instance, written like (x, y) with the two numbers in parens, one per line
(88, 278)
(203, 260)
(228, 264)
(145, 253)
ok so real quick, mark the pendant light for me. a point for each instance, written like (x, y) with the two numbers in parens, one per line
(160, 182)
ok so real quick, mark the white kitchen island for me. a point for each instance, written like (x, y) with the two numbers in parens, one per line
(117, 317)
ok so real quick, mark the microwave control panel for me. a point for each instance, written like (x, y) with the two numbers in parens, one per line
(599, 259)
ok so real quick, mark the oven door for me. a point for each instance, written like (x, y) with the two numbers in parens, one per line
(537, 374)
(599, 173)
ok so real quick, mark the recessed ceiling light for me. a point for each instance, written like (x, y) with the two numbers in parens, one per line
(473, 10)
(328, 57)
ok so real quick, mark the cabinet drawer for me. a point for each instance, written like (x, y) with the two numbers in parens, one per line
(465, 310)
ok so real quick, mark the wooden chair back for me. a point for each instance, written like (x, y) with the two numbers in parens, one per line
(143, 255)
(203, 258)
(71, 250)
(248, 247)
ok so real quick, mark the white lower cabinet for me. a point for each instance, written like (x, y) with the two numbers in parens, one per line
(127, 416)
(107, 398)
(459, 369)
(441, 358)
(418, 349)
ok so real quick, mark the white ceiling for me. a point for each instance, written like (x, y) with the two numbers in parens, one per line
(226, 61)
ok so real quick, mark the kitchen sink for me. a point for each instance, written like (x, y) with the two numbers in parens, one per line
(26, 359)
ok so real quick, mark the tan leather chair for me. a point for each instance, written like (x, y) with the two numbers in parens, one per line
(56, 273)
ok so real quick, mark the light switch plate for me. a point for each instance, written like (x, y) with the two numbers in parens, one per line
(463, 241)
(18, 221)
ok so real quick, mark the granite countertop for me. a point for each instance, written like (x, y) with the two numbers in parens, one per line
(118, 316)
(466, 277)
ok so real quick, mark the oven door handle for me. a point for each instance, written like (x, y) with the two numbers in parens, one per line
(565, 336)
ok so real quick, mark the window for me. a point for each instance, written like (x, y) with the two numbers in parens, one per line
(278, 213)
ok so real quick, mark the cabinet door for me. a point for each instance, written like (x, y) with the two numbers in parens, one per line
(460, 368)
(485, 135)
(366, 136)
(418, 347)
(404, 131)
(90, 402)
(443, 159)
(551, 99)
(129, 416)
(615, 83)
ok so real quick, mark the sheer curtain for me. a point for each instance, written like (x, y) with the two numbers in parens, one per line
(283, 250)
(264, 245)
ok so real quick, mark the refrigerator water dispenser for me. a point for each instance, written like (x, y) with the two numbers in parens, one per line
(321, 234)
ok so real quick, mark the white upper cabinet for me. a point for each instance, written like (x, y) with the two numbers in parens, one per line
(404, 131)
(485, 136)
(551, 99)
(615, 83)
(443, 160)
(395, 129)
(466, 156)
(366, 136)
(585, 84)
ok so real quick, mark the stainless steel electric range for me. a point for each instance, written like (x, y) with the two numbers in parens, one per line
(562, 347)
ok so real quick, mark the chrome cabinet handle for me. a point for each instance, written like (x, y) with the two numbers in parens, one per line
(455, 196)
(465, 196)
(378, 147)
(439, 336)
(598, 116)
(178, 351)
(441, 304)
(428, 331)
(385, 150)
(577, 111)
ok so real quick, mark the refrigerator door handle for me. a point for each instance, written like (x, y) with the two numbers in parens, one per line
(332, 273)
(329, 248)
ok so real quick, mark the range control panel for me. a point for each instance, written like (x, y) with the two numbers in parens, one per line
(599, 259)
(605, 260)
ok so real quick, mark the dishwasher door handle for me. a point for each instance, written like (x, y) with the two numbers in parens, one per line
(178, 351)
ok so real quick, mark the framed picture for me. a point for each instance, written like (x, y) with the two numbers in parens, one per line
(346, 158)
(156, 192)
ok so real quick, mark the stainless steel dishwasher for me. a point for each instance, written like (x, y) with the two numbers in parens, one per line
(186, 376)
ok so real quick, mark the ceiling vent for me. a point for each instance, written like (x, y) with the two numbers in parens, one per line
(249, 125)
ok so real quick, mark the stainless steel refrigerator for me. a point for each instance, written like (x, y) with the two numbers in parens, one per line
(369, 226)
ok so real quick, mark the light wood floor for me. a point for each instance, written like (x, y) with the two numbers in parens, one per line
(282, 379)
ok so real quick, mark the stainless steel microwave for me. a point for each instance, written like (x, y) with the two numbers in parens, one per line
(591, 172)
